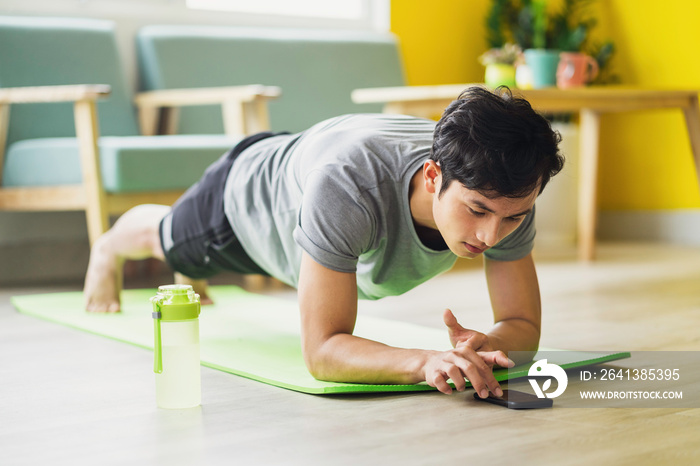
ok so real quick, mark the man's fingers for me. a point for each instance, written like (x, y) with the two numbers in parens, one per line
(477, 342)
(455, 373)
(450, 320)
(482, 379)
(439, 381)
(477, 371)
(496, 358)
(462, 363)
(492, 358)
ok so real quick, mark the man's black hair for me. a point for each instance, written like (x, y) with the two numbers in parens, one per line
(495, 143)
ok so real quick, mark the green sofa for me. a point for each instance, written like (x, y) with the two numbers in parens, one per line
(316, 69)
(78, 146)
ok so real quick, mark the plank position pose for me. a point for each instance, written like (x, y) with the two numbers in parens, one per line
(366, 206)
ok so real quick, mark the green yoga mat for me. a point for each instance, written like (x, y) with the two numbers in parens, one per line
(257, 336)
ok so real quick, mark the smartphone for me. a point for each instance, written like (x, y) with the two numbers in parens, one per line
(517, 400)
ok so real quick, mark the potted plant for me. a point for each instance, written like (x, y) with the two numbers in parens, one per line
(542, 35)
(541, 59)
(500, 65)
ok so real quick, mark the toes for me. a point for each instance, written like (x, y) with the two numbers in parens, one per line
(103, 308)
(113, 307)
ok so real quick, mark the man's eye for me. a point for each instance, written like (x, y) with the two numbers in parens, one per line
(476, 213)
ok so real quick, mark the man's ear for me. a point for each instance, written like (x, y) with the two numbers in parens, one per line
(432, 176)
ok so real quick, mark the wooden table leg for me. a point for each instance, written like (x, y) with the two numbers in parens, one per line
(588, 183)
(692, 121)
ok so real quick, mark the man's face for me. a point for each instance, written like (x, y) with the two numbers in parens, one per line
(471, 223)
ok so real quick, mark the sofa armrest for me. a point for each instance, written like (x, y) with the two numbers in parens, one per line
(68, 93)
(244, 108)
(84, 98)
(205, 95)
(82, 95)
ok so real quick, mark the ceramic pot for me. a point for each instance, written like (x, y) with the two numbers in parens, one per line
(575, 70)
(523, 77)
(499, 74)
(543, 64)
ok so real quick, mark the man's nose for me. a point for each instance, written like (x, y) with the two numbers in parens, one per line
(488, 232)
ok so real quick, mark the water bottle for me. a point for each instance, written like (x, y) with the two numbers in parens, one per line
(176, 351)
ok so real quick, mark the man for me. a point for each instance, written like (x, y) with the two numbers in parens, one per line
(366, 206)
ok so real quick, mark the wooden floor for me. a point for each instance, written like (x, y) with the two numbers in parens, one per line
(73, 398)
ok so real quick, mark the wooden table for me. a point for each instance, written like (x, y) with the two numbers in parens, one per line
(589, 102)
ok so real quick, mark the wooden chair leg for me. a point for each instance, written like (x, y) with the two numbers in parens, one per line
(234, 118)
(200, 286)
(256, 117)
(87, 132)
(148, 120)
(4, 123)
(275, 284)
(245, 117)
(254, 282)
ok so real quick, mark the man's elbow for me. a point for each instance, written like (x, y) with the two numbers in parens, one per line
(318, 363)
(313, 365)
(527, 352)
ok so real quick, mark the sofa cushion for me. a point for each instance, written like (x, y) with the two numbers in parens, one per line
(128, 164)
(316, 69)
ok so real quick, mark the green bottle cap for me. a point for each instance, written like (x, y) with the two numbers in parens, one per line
(176, 302)
(173, 303)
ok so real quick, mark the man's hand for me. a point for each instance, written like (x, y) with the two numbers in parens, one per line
(461, 337)
(469, 342)
(464, 362)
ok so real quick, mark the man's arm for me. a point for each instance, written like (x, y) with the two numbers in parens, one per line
(328, 305)
(515, 299)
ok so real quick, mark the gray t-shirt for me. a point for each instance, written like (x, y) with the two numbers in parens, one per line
(340, 192)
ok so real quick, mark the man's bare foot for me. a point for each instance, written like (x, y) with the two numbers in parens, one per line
(199, 287)
(102, 280)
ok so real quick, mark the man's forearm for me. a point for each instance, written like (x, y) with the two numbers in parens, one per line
(515, 299)
(348, 358)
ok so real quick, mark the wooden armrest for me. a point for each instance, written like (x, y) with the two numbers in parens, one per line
(205, 95)
(68, 93)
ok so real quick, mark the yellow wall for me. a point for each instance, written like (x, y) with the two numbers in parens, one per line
(646, 161)
(440, 39)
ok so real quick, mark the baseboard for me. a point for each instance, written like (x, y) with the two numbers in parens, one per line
(666, 226)
(42, 247)
(47, 261)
